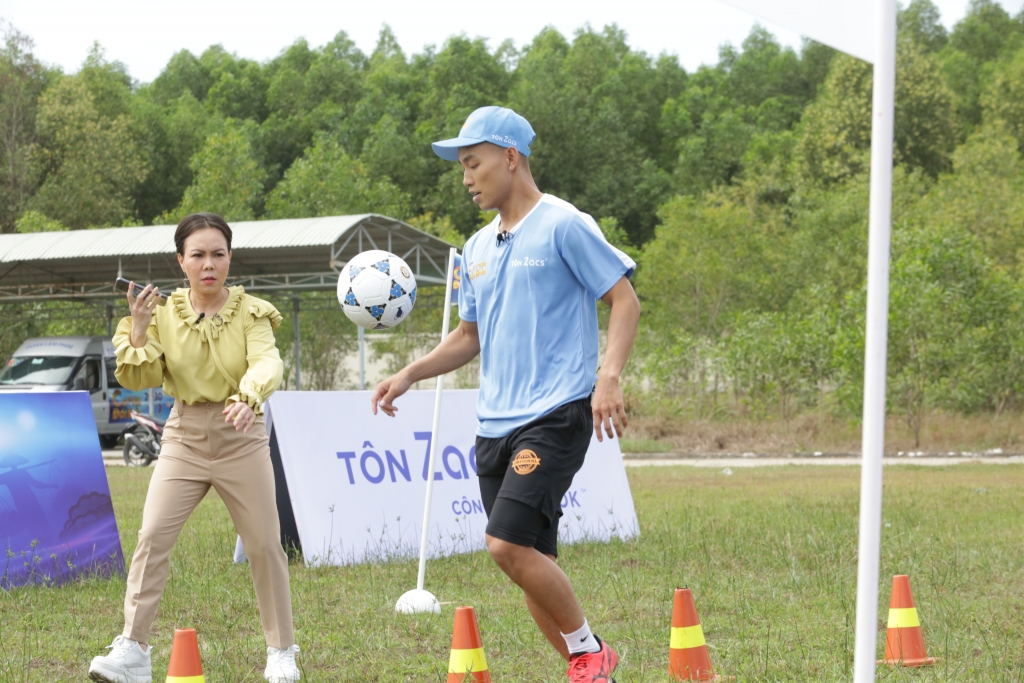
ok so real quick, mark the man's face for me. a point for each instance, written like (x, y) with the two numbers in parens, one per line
(486, 174)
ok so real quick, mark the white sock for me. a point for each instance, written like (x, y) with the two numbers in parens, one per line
(581, 640)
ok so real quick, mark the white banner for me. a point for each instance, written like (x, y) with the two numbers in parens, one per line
(847, 25)
(357, 482)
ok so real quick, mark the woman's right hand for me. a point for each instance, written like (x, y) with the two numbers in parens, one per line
(142, 312)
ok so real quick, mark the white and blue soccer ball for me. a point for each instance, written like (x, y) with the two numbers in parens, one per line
(376, 290)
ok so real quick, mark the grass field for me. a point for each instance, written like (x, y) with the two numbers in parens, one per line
(770, 554)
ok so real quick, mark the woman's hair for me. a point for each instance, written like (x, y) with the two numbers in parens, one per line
(196, 222)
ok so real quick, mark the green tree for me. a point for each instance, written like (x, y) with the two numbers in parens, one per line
(764, 70)
(751, 96)
(442, 228)
(985, 194)
(107, 82)
(947, 308)
(828, 230)
(170, 136)
(33, 221)
(925, 126)
(227, 179)
(393, 150)
(334, 81)
(837, 127)
(22, 79)
(975, 43)
(184, 73)
(598, 109)
(920, 318)
(779, 358)
(92, 164)
(239, 88)
(326, 182)
(921, 22)
(285, 132)
(703, 267)
(1003, 100)
(984, 31)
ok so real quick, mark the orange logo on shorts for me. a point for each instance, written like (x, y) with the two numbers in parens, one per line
(526, 461)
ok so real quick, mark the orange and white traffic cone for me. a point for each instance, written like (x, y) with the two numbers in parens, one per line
(688, 658)
(185, 666)
(904, 643)
(467, 663)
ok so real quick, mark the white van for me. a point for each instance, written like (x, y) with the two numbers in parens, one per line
(81, 364)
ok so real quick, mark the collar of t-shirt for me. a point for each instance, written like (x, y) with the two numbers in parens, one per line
(497, 221)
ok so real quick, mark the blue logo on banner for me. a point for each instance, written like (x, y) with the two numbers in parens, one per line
(375, 468)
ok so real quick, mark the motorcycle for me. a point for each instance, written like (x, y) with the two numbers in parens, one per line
(142, 440)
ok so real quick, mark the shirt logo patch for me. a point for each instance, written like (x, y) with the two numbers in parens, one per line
(526, 461)
(475, 270)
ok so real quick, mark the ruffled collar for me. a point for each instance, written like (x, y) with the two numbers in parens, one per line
(209, 326)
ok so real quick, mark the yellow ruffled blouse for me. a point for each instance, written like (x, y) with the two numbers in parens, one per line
(227, 357)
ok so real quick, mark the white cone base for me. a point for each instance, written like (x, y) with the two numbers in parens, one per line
(417, 601)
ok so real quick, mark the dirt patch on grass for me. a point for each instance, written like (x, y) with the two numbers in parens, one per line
(941, 433)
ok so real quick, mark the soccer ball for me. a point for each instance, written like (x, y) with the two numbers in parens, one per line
(376, 290)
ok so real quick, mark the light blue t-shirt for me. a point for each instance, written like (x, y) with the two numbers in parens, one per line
(534, 300)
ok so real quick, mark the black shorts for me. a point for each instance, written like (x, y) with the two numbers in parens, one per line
(524, 475)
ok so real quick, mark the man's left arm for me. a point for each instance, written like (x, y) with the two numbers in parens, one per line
(608, 406)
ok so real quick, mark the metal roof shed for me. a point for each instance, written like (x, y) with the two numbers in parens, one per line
(278, 255)
(288, 255)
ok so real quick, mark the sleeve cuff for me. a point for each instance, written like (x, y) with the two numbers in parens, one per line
(611, 282)
(130, 355)
(250, 400)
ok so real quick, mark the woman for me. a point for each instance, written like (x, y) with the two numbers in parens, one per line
(212, 348)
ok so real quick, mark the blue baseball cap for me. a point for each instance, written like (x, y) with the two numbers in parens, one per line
(497, 125)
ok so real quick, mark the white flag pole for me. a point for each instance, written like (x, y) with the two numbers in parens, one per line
(875, 347)
(420, 600)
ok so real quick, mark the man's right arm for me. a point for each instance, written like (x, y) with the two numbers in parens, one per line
(454, 351)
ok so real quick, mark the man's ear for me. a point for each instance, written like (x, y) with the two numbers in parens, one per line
(512, 155)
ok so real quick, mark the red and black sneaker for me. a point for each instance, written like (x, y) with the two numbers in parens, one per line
(593, 667)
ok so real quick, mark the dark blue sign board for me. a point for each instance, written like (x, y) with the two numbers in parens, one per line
(56, 517)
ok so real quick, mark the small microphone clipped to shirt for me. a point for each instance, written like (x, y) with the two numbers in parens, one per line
(200, 318)
(504, 237)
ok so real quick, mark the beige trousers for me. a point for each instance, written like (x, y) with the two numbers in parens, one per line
(200, 450)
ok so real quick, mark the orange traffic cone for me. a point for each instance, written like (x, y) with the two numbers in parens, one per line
(904, 643)
(186, 666)
(467, 663)
(688, 658)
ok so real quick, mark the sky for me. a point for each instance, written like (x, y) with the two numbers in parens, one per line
(144, 35)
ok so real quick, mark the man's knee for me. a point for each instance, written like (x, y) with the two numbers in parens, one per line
(507, 555)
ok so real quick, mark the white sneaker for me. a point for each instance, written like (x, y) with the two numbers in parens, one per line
(126, 663)
(281, 665)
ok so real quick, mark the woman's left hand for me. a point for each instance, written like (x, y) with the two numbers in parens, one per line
(241, 414)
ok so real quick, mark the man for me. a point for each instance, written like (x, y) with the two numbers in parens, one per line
(527, 304)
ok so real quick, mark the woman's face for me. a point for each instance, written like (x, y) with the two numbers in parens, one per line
(206, 260)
